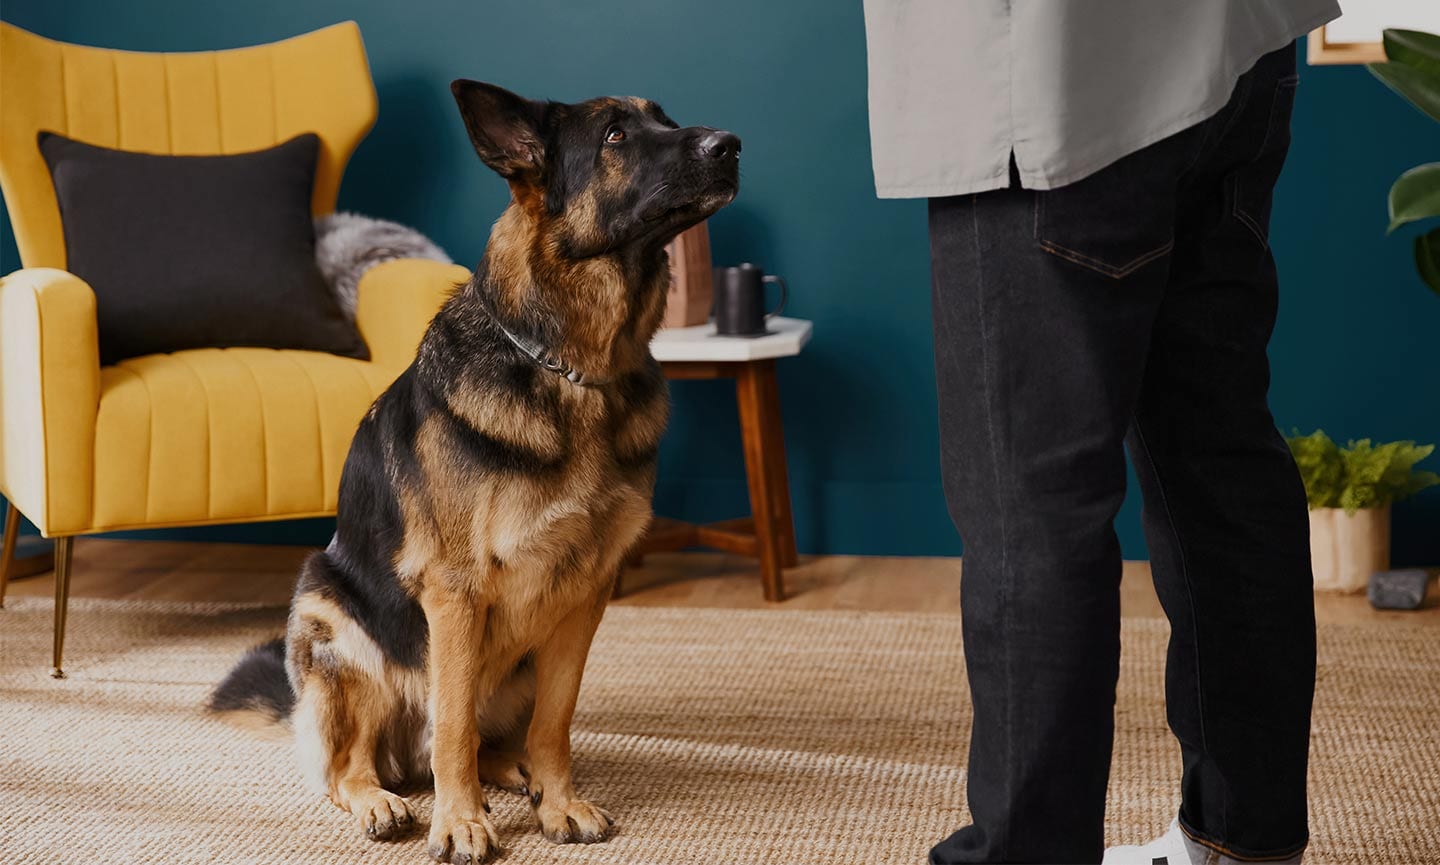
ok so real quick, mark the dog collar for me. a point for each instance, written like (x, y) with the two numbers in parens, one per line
(536, 352)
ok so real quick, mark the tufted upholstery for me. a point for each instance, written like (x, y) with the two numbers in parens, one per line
(225, 435)
(194, 437)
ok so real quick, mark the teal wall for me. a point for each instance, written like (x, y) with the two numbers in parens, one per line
(1355, 351)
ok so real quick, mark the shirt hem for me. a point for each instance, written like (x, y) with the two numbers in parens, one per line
(945, 189)
(1040, 180)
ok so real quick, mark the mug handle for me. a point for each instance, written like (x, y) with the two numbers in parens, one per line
(784, 295)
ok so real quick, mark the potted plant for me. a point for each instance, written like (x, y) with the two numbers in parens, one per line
(1350, 490)
(1413, 71)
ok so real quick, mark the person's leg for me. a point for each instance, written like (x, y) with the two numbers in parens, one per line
(1043, 305)
(1225, 511)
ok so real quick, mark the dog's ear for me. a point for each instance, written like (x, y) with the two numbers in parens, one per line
(504, 127)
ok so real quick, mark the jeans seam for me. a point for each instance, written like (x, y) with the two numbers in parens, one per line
(1244, 102)
(1200, 150)
(1290, 82)
(1239, 213)
(1005, 606)
(1185, 576)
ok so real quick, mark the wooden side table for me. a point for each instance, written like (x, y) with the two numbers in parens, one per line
(768, 534)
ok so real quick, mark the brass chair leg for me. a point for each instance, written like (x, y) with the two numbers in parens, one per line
(7, 554)
(63, 548)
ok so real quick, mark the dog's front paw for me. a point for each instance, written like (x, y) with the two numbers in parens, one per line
(385, 816)
(462, 840)
(574, 822)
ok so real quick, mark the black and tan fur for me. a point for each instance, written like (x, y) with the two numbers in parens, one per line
(487, 503)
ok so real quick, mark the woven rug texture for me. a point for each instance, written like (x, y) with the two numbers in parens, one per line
(714, 736)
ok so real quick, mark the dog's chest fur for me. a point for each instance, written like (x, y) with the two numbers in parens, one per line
(521, 488)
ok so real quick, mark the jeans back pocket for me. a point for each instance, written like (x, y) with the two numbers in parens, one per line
(1121, 219)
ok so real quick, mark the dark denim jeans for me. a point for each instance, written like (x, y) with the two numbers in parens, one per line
(1129, 309)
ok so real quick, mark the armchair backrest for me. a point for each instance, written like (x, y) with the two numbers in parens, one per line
(200, 103)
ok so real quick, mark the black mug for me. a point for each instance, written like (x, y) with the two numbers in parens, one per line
(740, 300)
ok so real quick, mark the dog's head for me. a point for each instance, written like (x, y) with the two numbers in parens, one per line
(604, 174)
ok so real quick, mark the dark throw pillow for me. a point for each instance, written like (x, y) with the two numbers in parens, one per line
(197, 251)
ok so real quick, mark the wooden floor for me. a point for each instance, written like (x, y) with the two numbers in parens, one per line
(167, 570)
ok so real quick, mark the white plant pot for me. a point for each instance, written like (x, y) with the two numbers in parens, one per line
(1346, 549)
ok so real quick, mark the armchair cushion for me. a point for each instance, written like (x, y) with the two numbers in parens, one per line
(226, 435)
(187, 252)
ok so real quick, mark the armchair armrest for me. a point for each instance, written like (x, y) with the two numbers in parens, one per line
(396, 301)
(49, 396)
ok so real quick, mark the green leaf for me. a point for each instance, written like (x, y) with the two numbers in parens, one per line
(1321, 468)
(1414, 48)
(1421, 481)
(1376, 475)
(1421, 88)
(1361, 474)
(1427, 258)
(1416, 195)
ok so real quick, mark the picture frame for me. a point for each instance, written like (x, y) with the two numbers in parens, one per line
(1355, 37)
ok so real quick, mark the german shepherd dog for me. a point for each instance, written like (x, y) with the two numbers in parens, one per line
(492, 493)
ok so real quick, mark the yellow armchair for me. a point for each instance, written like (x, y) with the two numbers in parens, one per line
(194, 437)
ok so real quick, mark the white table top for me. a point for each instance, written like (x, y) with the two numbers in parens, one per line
(787, 337)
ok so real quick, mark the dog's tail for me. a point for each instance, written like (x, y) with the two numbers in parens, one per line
(257, 690)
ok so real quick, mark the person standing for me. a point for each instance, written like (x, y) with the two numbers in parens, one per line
(1099, 178)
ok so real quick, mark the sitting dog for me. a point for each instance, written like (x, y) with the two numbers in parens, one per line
(491, 494)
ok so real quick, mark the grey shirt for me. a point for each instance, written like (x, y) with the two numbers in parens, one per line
(1068, 86)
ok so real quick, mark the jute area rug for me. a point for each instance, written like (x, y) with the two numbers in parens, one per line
(714, 736)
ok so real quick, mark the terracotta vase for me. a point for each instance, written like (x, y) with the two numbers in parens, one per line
(691, 279)
(1345, 549)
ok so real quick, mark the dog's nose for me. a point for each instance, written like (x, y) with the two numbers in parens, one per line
(718, 144)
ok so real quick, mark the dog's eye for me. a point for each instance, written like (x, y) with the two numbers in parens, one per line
(615, 135)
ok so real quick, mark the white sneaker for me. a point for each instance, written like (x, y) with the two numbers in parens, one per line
(1176, 848)
(1169, 849)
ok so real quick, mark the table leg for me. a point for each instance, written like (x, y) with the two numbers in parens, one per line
(780, 486)
(762, 434)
